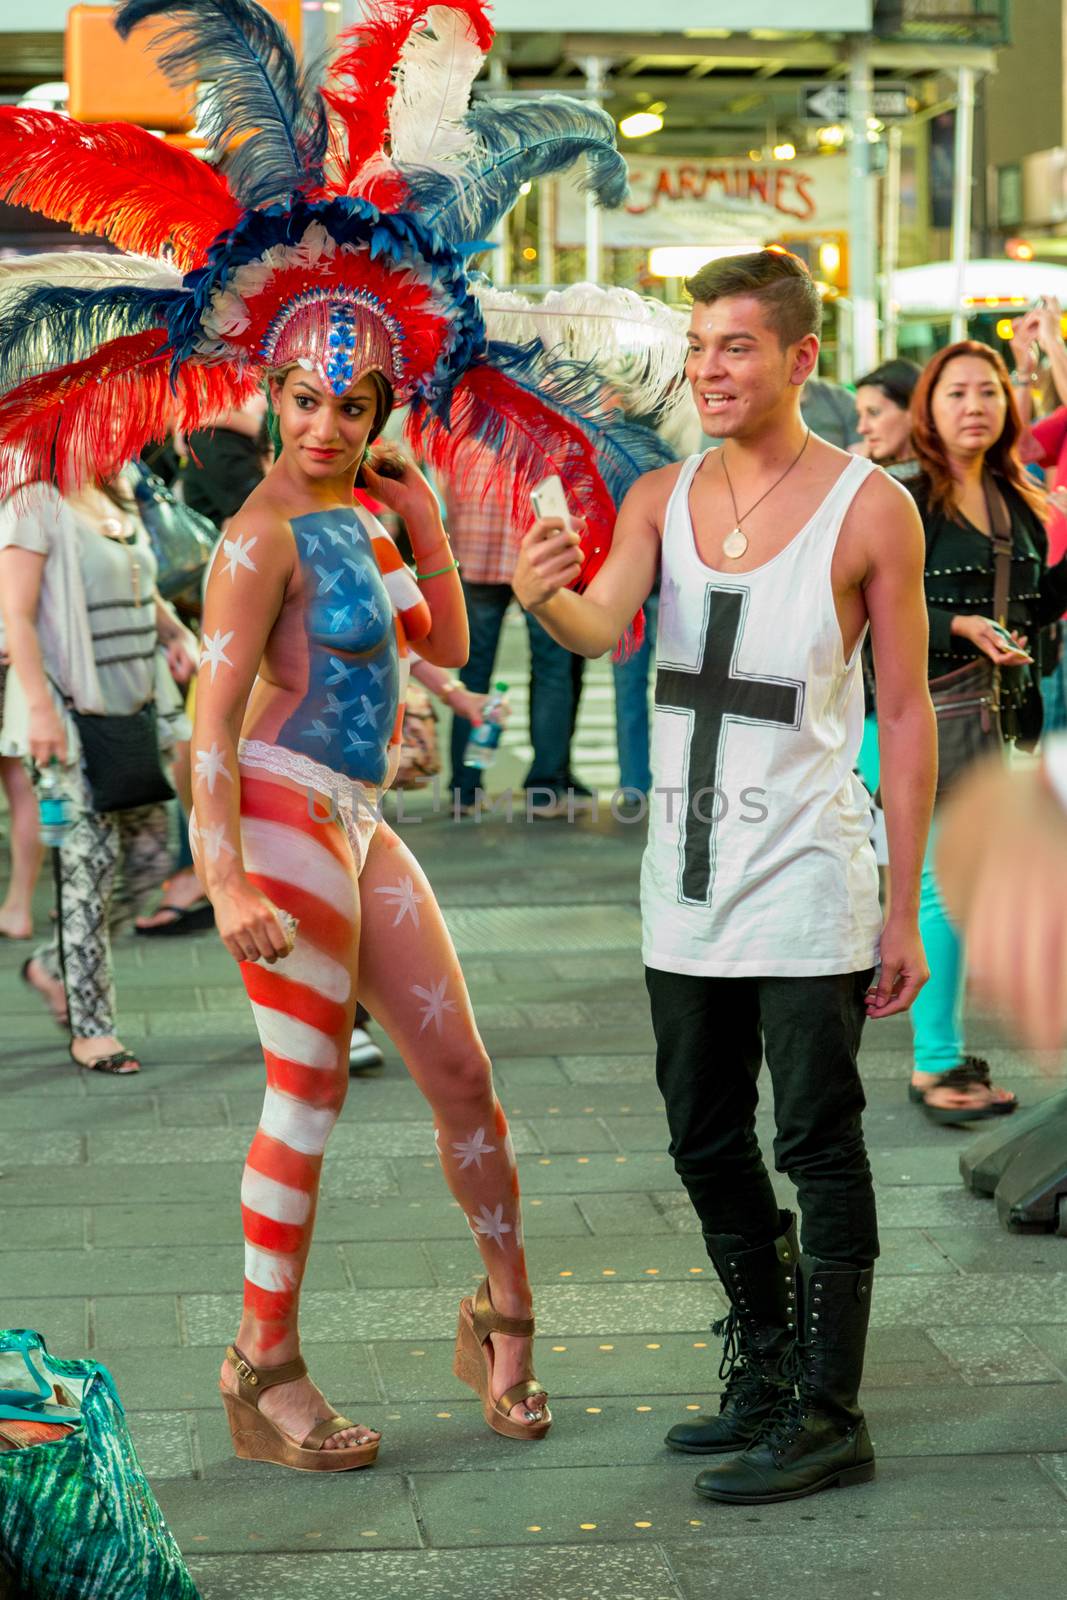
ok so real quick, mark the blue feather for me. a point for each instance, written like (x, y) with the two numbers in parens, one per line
(48, 326)
(624, 449)
(257, 89)
(517, 142)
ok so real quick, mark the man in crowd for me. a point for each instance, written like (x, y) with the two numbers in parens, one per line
(759, 887)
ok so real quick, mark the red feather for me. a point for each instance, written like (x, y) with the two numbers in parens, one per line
(87, 420)
(537, 442)
(362, 75)
(113, 179)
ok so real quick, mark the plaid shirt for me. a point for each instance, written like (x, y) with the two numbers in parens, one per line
(479, 521)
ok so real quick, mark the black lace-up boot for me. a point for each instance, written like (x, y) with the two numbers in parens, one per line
(759, 1333)
(818, 1439)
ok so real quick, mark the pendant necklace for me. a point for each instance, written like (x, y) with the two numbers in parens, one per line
(736, 543)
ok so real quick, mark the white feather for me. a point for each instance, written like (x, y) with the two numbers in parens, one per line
(637, 343)
(87, 269)
(433, 92)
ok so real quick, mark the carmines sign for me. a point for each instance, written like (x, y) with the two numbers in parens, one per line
(711, 202)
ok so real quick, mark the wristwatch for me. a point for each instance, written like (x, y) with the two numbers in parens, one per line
(1022, 380)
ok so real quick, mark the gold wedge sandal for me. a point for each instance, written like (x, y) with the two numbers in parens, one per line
(473, 1365)
(257, 1438)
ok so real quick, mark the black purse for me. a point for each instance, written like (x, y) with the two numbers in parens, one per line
(967, 700)
(121, 759)
(182, 540)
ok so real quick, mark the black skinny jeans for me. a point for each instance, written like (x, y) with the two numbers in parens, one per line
(711, 1036)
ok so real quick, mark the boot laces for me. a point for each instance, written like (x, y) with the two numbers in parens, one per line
(786, 1421)
(745, 1383)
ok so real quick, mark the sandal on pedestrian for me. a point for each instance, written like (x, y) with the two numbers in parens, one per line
(121, 1063)
(58, 1015)
(182, 919)
(257, 1438)
(972, 1073)
(473, 1365)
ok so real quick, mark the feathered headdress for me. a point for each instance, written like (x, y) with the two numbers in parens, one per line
(330, 227)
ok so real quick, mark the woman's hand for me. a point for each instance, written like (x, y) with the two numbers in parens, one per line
(984, 634)
(48, 739)
(1049, 324)
(1024, 335)
(249, 925)
(392, 478)
(181, 652)
(549, 560)
(470, 706)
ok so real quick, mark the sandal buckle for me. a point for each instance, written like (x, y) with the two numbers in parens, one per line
(246, 1373)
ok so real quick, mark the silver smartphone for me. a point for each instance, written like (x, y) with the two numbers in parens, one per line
(549, 500)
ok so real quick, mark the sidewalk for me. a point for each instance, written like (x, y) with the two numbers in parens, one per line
(120, 1238)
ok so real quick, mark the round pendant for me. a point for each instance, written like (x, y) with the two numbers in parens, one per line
(734, 545)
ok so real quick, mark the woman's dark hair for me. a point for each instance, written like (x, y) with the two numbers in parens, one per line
(1002, 457)
(896, 379)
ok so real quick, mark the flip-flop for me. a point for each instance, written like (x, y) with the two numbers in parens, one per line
(186, 919)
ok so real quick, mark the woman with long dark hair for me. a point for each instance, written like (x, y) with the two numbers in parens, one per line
(966, 431)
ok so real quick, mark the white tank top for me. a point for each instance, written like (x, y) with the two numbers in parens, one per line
(759, 862)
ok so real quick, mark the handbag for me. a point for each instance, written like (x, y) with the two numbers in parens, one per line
(78, 1520)
(420, 757)
(967, 700)
(121, 759)
(182, 539)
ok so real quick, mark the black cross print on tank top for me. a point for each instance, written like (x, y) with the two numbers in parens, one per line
(710, 695)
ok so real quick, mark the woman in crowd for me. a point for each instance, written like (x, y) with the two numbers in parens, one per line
(966, 429)
(84, 624)
(883, 414)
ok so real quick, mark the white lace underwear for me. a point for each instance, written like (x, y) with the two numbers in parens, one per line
(357, 805)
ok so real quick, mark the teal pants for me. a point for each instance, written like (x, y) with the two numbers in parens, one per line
(937, 1014)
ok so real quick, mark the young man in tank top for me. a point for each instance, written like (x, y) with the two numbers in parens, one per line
(759, 888)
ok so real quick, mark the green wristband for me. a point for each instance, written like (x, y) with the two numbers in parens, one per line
(454, 567)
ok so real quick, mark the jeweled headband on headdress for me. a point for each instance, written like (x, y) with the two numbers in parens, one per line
(331, 228)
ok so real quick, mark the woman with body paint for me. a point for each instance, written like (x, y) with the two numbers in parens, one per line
(307, 617)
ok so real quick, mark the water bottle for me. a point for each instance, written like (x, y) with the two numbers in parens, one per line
(482, 744)
(54, 804)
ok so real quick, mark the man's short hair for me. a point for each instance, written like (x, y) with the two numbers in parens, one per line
(779, 281)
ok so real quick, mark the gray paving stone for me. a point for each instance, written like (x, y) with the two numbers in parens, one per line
(950, 1420)
(655, 1371)
(981, 1250)
(44, 1149)
(74, 1115)
(989, 1300)
(651, 1503)
(633, 1214)
(514, 1074)
(994, 1355)
(979, 1563)
(161, 1439)
(192, 1110)
(614, 1257)
(624, 1102)
(431, 1313)
(559, 1135)
(1055, 1468)
(560, 1573)
(918, 1164)
(566, 1174)
(43, 1228)
(610, 1068)
(64, 1323)
(100, 1185)
(393, 1265)
(1052, 1339)
(127, 1321)
(331, 1514)
(165, 1269)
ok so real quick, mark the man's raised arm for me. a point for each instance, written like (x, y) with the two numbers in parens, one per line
(590, 624)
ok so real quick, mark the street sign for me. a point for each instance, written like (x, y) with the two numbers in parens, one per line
(828, 102)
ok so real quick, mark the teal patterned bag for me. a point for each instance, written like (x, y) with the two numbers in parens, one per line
(78, 1520)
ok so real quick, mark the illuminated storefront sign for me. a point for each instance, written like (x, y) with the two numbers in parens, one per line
(691, 202)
